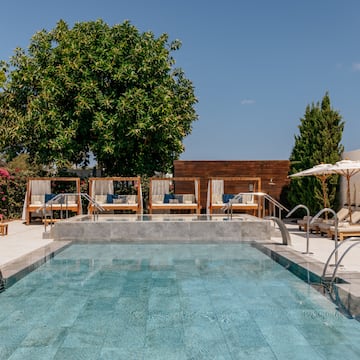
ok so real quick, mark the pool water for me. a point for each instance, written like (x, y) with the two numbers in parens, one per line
(170, 301)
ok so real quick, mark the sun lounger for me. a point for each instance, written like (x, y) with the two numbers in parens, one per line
(302, 223)
(174, 194)
(322, 225)
(41, 192)
(222, 190)
(115, 194)
(345, 229)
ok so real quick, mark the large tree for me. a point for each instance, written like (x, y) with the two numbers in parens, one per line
(318, 141)
(94, 89)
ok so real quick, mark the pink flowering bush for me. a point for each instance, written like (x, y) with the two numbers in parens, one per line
(13, 180)
(12, 195)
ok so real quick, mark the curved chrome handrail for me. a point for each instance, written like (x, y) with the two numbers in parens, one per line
(283, 229)
(332, 253)
(307, 221)
(342, 257)
(335, 224)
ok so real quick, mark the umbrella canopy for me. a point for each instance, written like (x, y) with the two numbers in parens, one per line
(322, 172)
(347, 168)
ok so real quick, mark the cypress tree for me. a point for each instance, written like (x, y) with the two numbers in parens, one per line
(318, 141)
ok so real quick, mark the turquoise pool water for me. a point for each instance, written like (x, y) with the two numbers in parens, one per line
(170, 301)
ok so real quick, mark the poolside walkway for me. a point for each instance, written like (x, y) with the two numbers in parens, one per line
(321, 247)
(24, 248)
(21, 240)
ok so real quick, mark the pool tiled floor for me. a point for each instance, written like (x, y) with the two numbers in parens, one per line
(150, 311)
(218, 301)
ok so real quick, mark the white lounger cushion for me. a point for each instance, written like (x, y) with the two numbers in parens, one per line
(37, 199)
(100, 199)
(188, 198)
(129, 199)
(346, 228)
(157, 199)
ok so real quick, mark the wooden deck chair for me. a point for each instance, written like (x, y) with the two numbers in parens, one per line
(177, 193)
(116, 194)
(40, 195)
(345, 229)
(222, 190)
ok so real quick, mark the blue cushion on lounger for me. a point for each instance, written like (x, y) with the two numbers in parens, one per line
(48, 197)
(168, 197)
(227, 197)
(109, 198)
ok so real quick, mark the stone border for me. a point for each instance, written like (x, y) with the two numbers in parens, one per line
(346, 292)
(17, 269)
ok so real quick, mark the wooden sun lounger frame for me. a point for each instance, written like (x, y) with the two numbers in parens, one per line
(137, 207)
(196, 207)
(254, 209)
(345, 232)
(76, 207)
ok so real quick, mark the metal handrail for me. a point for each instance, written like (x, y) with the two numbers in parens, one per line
(342, 257)
(336, 228)
(286, 239)
(307, 225)
(265, 196)
(62, 195)
(335, 251)
(58, 197)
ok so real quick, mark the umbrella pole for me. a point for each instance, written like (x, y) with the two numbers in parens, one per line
(323, 180)
(348, 197)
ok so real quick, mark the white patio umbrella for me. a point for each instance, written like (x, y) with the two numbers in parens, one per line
(322, 172)
(347, 168)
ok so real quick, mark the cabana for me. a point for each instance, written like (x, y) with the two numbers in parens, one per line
(41, 193)
(222, 189)
(116, 194)
(174, 194)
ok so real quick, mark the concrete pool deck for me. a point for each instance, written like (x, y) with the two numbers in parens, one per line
(25, 248)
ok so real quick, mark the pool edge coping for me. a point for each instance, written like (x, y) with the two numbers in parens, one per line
(16, 269)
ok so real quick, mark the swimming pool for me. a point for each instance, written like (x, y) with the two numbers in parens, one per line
(169, 301)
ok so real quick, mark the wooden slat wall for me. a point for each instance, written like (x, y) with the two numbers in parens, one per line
(277, 170)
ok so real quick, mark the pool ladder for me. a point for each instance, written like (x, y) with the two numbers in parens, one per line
(330, 280)
(275, 208)
(62, 199)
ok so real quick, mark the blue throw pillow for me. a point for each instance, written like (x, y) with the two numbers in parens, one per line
(227, 197)
(167, 197)
(109, 198)
(48, 197)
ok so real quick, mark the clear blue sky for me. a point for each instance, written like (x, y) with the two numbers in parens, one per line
(255, 64)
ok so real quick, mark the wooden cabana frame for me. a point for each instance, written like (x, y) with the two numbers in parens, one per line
(219, 186)
(176, 193)
(100, 194)
(38, 189)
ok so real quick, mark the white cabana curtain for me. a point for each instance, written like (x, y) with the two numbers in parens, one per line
(102, 187)
(40, 187)
(160, 187)
(141, 197)
(217, 189)
(197, 191)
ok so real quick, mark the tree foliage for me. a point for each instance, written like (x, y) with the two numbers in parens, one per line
(319, 141)
(110, 91)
